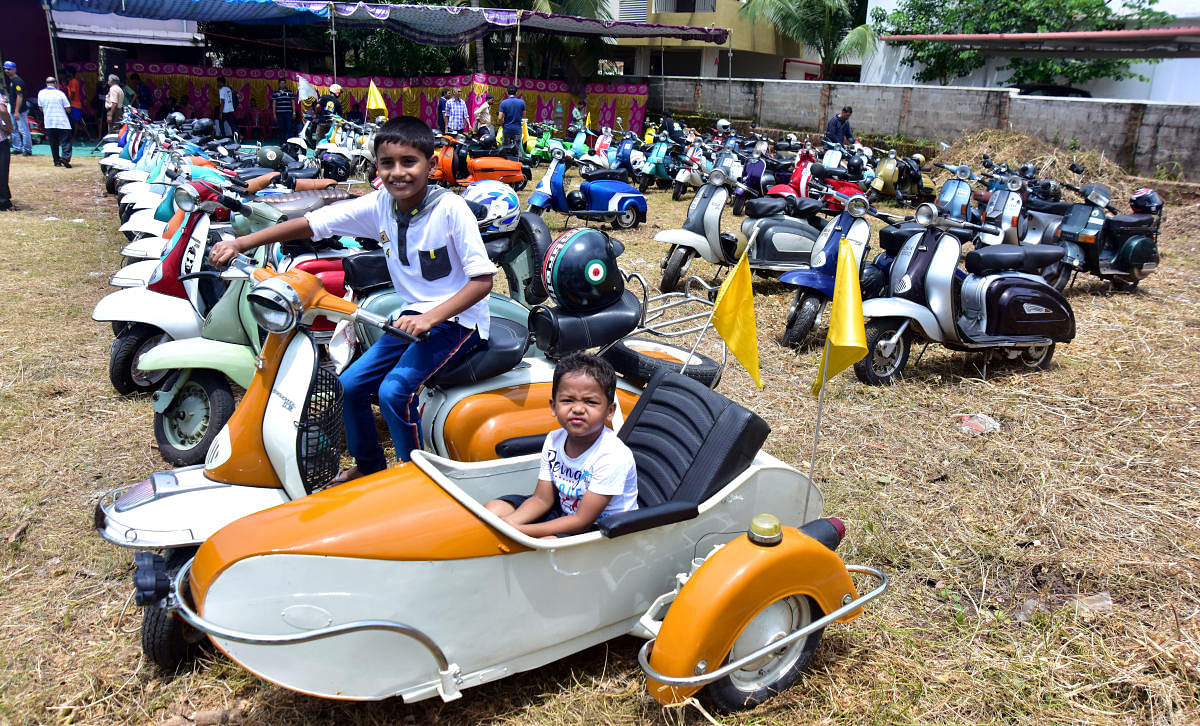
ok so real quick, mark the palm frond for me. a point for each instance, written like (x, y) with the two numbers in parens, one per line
(860, 42)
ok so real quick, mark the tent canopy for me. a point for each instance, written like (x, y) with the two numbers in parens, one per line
(445, 25)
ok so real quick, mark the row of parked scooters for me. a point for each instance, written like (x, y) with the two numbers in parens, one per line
(401, 582)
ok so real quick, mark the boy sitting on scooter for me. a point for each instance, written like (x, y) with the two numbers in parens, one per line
(587, 472)
(436, 260)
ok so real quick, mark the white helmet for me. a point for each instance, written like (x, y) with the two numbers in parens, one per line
(335, 89)
(723, 125)
(504, 209)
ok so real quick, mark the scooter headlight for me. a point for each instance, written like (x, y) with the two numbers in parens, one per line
(717, 177)
(275, 305)
(186, 198)
(558, 154)
(857, 206)
(962, 171)
(926, 214)
(1013, 184)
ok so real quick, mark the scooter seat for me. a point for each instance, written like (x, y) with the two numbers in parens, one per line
(821, 171)
(504, 348)
(1001, 258)
(297, 204)
(766, 206)
(606, 174)
(1034, 204)
(557, 332)
(497, 248)
(893, 236)
(1131, 222)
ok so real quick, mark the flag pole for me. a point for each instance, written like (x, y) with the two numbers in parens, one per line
(812, 462)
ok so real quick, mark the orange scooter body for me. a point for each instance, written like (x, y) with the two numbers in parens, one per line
(452, 166)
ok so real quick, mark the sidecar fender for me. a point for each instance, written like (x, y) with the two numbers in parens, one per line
(236, 362)
(732, 586)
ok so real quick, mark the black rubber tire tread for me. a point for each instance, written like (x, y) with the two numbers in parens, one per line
(876, 330)
(677, 189)
(803, 316)
(739, 205)
(638, 367)
(644, 183)
(618, 224)
(725, 696)
(676, 263)
(164, 639)
(110, 182)
(220, 402)
(121, 358)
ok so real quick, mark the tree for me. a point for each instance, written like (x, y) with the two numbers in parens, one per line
(943, 62)
(826, 26)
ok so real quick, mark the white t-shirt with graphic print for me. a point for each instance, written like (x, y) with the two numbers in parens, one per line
(606, 468)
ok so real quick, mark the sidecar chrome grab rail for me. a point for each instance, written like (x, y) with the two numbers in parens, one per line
(450, 674)
(703, 679)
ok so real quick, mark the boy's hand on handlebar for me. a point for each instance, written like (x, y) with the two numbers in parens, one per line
(223, 252)
(414, 325)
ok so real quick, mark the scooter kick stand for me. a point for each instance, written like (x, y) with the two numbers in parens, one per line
(917, 362)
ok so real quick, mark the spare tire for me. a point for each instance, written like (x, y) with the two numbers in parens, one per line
(638, 358)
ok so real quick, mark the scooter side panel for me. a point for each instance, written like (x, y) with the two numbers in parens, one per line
(235, 361)
(175, 316)
(894, 307)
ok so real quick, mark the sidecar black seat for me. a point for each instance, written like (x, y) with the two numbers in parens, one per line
(688, 442)
(999, 258)
(505, 347)
(557, 333)
(618, 174)
(297, 204)
(1136, 222)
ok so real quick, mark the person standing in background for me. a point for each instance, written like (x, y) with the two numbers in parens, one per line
(483, 111)
(22, 142)
(512, 112)
(225, 104)
(6, 128)
(283, 103)
(75, 96)
(55, 121)
(838, 128)
(456, 113)
(143, 98)
(114, 102)
(443, 97)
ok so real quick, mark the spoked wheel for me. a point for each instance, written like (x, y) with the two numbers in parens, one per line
(884, 364)
(127, 348)
(627, 219)
(775, 672)
(677, 190)
(676, 267)
(166, 640)
(188, 427)
(1037, 357)
(802, 317)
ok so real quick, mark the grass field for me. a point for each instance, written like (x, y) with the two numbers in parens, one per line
(1043, 574)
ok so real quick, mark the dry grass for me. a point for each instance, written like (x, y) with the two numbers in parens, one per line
(1092, 486)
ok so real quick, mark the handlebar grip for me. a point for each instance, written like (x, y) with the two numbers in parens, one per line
(402, 335)
(233, 203)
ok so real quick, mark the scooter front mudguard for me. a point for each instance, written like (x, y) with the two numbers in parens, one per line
(810, 280)
(732, 586)
(145, 199)
(236, 362)
(112, 147)
(136, 274)
(894, 307)
(177, 508)
(127, 189)
(538, 200)
(143, 221)
(115, 163)
(691, 240)
(132, 175)
(174, 316)
(146, 248)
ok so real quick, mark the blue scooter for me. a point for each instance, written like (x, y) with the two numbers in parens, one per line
(814, 286)
(603, 195)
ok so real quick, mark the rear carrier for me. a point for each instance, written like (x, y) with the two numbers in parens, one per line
(1013, 304)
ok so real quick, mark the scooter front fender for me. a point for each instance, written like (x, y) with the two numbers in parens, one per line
(133, 175)
(732, 586)
(116, 162)
(146, 248)
(236, 362)
(691, 240)
(143, 199)
(540, 200)
(143, 221)
(810, 280)
(111, 147)
(136, 274)
(130, 188)
(177, 508)
(174, 316)
(895, 307)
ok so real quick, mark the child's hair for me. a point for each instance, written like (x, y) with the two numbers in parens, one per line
(594, 367)
(408, 130)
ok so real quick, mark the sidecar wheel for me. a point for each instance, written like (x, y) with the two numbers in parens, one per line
(878, 368)
(638, 358)
(803, 316)
(677, 189)
(187, 428)
(774, 673)
(126, 349)
(167, 641)
(627, 219)
(676, 267)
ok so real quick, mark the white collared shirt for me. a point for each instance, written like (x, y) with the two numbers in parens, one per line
(54, 105)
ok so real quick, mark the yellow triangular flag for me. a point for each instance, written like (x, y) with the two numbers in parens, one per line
(375, 105)
(847, 339)
(733, 317)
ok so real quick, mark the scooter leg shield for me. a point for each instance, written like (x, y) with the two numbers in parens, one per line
(173, 315)
(732, 586)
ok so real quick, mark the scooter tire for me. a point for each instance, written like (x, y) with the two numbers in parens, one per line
(1057, 275)
(677, 264)
(876, 369)
(110, 182)
(677, 190)
(747, 688)
(519, 186)
(165, 638)
(534, 162)
(644, 183)
(637, 359)
(801, 318)
(627, 219)
(1037, 358)
(126, 349)
(186, 430)
(739, 205)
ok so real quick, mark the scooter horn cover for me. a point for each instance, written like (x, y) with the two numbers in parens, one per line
(580, 271)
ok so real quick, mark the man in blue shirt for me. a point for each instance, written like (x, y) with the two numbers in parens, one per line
(838, 129)
(512, 110)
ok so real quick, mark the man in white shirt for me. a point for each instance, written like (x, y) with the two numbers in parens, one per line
(225, 98)
(56, 121)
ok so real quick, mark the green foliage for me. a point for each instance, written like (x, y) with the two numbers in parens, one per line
(942, 62)
(826, 26)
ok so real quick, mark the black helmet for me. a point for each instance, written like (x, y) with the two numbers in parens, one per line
(204, 127)
(335, 166)
(1028, 170)
(1146, 200)
(581, 271)
(855, 166)
(270, 157)
(175, 119)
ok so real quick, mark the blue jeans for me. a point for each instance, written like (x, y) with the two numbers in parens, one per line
(397, 370)
(21, 140)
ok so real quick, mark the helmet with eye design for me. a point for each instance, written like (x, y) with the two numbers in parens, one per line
(580, 271)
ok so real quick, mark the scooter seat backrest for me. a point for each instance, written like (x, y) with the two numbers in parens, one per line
(1002, 258)
(557, 333)
(297, 204)
(688, 442)
(1036, 204)
(366, 272)
(502, 351)
(609, 174)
